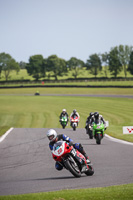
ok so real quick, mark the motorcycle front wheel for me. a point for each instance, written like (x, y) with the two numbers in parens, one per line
(89, 132)
(98, 138)
(90, 171)
(74, 128)
(72, 166)
(63, 126)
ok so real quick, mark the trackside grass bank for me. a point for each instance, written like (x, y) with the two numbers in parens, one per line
(63, 91)
(44, 111)
(122, 192)
(85, 83)
(3, 129)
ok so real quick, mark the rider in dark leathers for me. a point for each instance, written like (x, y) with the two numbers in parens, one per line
(53, 137)
(89, 119)
(63, 114)
(96, 118)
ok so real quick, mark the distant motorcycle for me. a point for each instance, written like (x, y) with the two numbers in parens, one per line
(74, 122)
(71, 159)
(89, 131)
(63, 121)
(98, 131)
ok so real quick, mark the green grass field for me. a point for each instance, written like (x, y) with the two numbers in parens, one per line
(122, 192)
(63, 91)
(43, 111)
(87, 83)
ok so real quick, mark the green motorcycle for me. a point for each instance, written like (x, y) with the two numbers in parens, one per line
(98, 131)
(63, 121)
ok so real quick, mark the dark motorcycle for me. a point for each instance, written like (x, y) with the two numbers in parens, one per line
(89, 131)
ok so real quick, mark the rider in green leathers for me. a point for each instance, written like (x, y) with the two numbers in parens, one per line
(63, 114)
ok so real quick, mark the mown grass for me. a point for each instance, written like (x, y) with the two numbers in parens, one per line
(3, 129)
(63, 91)
(88, 83)
(122, 192)
(22, 75)
(44, 111)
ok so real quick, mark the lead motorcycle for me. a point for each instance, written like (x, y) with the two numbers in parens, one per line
(71, 159)
(98, 131)
(74, 122)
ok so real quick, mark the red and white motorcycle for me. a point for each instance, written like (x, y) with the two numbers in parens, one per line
(71, 159)
(74, 122)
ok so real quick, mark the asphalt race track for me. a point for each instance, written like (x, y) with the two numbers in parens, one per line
(26, 164)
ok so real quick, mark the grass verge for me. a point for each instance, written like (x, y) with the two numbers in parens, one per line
(3, 129)
(121, 192)
(63, 91)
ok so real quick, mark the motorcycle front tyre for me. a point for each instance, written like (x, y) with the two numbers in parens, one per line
(63, 126)
(74, 128)
(72, 169)
(98, 139)
(90, 171)
(90, 134)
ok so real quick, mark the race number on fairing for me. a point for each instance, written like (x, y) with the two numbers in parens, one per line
(73, 152)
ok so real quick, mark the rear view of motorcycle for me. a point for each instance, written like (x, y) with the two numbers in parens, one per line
(98, 131)
(71, 159)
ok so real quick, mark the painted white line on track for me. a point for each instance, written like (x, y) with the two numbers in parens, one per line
(117, 140)
(5, 135)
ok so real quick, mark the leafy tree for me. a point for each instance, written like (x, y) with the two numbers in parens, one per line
(115, 65)
(1, 63)
(94, 64)
(75, 65)
(44, 68)
(22, 65)
(35, 65)
(8, 64)
(124, 56)
(130, 66)
(104, 59)
(56, 65)
(63, 66)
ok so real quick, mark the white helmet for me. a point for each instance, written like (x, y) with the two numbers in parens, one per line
(64, 110)
(51, 134)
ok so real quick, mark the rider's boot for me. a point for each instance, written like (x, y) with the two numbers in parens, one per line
(86, 156)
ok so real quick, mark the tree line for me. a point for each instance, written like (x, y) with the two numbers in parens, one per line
(117, 59)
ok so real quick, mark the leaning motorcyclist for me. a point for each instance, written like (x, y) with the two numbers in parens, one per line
(63, 114)
(97, 118)
(53, 137)
(89, 119)
(74, 114)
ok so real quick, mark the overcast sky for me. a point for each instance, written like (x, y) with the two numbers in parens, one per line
(67, 28)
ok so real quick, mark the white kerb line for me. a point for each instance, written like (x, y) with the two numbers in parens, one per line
(118, 140)
(5, 135)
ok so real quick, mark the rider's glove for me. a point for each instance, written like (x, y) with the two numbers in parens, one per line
(70, 143)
